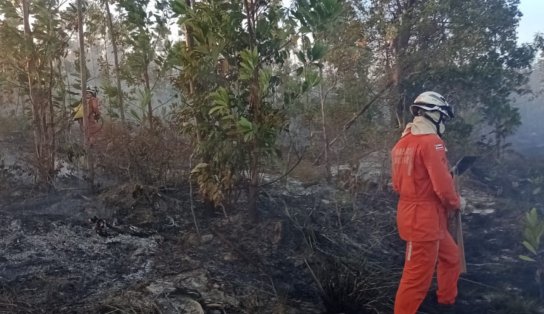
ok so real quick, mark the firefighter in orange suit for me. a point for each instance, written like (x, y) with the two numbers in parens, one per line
(427, 193)
(94, 115)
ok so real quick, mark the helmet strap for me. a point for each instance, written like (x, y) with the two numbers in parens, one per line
(436, 123)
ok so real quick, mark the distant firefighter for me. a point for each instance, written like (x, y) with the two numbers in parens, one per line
(93, 126)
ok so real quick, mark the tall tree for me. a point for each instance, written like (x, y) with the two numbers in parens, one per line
(113, 38)
(83, 90)
(33, 39)
(233, 66)
(148, 29)
(466, 50)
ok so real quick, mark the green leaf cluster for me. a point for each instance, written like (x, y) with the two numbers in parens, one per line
(532, 236)
(231, 64)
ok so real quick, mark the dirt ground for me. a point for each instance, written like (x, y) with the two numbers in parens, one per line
(129, 248)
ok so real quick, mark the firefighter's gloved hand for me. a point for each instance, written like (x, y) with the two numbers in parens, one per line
(463, 203)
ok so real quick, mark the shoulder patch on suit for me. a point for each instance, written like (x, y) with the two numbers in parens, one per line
(439, 147)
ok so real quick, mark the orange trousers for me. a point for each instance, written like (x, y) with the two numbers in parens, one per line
(419, 266)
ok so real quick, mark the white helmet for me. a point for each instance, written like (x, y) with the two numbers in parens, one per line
(92, 91)
(432, 101)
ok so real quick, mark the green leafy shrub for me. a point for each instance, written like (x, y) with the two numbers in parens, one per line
(532, 236)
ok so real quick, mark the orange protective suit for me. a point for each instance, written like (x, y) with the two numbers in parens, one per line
(94, 114)
(427, 192)
(93, 126)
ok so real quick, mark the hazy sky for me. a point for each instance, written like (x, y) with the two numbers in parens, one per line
(532, 21)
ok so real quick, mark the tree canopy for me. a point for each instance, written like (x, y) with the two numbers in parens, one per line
(241, 71)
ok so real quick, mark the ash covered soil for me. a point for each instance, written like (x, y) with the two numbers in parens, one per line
(129, 248)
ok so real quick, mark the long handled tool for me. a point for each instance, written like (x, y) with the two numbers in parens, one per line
(456, 227)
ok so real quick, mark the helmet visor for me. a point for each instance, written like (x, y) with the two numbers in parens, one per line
(445, 111)
(448, 112)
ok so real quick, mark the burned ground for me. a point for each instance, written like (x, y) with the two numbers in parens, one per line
(130, 248)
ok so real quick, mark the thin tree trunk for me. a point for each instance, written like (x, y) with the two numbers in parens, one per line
(83, 77)
(255, 113)
(400, 44)
(324, 128)
(116, 63)
(51, 125)
(498, 143)
(148, 93)
(34, 95)
(189, 44)
(351, 121)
